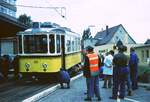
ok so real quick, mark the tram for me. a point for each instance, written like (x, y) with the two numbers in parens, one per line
(44, 49)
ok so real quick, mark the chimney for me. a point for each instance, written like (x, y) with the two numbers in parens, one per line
(107, 30)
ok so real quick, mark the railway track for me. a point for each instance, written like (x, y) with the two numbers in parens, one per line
(17, 91)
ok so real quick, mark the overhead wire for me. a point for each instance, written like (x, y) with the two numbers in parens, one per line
(56, 9)
(42, 7)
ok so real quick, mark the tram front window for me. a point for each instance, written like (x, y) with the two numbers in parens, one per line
(35, 44)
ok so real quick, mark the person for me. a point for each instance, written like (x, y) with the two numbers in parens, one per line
(133, 64)
(91, 73)
(128, 82)
(108, 69)
(64, 78)
(5, 66)
(120, 73)
(15, 64)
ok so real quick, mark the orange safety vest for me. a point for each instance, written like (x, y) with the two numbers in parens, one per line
(93, 62)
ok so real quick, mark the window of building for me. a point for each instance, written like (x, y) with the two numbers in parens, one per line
(3, 9)
(147, 53)
(7, 11)
(13, 2)
(142, 55)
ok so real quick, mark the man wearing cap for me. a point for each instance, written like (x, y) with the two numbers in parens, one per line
(91, 72)
(120, 73)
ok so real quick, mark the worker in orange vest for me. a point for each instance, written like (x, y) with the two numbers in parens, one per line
(91, 73)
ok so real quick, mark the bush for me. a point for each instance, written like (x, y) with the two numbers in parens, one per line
(144, 73)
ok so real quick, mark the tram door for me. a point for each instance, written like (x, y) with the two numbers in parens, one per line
(63, 51)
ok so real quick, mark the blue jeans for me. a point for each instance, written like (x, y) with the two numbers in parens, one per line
(93, 87)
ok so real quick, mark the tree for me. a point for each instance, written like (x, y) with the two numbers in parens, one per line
(26, 20)
(86, 35)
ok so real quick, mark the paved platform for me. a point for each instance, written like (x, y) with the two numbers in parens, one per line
(78, 87)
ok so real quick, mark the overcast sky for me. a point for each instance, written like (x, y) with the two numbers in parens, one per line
(134, 15)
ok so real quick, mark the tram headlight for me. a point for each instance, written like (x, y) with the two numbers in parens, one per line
(44, 65)
(27, 65)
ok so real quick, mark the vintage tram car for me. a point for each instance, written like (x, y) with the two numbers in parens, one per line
(45, 48)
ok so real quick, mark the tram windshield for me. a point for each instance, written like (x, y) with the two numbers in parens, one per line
(35, 44)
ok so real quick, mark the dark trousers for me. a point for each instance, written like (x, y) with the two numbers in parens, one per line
(119, 80)
(134, 81)
(93, 87)
(129, 83)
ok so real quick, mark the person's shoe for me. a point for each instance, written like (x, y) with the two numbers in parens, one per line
(114, 98)
(68, 87)
(134, 88)
(62, 87)
(104, 87)
(99, 99)
(129, 93)
(85, 93)
(109, 86)
(87, 99)
(121, 97)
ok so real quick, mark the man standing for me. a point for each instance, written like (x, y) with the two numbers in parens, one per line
(120, 73)
(91, 72)
(133, 64)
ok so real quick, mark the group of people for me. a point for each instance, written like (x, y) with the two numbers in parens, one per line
(119, 71)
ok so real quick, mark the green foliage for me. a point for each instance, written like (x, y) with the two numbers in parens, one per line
(143, 69)
(144, 73)
(26, 20)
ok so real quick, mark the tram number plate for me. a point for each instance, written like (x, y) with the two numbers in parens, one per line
(35, 61)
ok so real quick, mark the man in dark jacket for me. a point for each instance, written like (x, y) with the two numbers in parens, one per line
(91, 73)
(120, 73)
(64, 78)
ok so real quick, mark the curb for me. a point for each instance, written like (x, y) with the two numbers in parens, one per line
(144, 84)
(48, 91)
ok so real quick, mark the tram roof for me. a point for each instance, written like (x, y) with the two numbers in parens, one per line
(39, 31)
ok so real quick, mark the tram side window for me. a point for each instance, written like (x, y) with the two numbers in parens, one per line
(73, 47)
(68, 45)
(52, 44)
(79, 43)
(20, 44)
(76, 44)
(58, 43)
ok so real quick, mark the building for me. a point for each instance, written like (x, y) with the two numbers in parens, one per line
(143, 52)
(111, 37)
(147, 42)
(9, 25)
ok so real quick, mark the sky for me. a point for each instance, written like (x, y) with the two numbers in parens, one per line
(134, 15)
